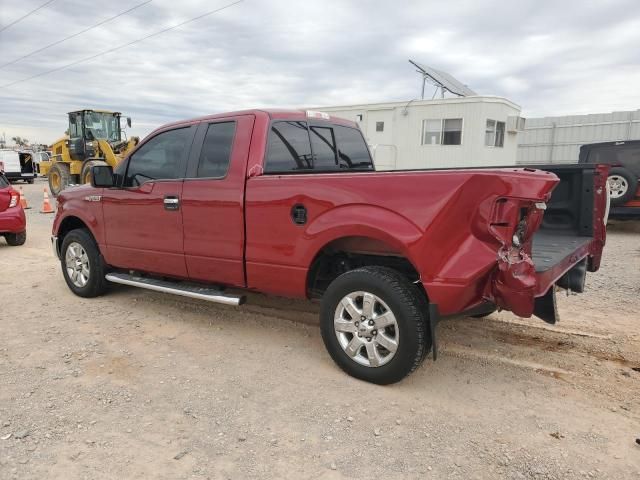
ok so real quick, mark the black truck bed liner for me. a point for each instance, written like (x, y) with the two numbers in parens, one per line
(567, 224)
(550, 248)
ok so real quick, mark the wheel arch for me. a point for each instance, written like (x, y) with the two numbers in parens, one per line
(378, 236)
(70, 223)
(346, 253)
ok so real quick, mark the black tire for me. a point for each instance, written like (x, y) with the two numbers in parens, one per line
(59, 177)
(631, 185)
(85, 176)
(409, 307)
(485, 314)
(30, 181)
(96, 284)
(16, 239)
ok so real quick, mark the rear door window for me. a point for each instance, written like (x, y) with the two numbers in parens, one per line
(161, 158)
(289, 148)
(3, 181)
(216, 150)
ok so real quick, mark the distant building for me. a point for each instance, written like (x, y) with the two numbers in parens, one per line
(558, 139)
(470, 131)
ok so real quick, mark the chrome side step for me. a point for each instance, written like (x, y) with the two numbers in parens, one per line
(185, 290)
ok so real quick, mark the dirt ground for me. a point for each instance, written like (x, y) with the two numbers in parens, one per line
(139, 384)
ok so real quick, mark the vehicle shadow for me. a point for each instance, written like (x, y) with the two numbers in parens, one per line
(501, 339)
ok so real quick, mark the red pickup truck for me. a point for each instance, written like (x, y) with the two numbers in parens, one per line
(289, 203)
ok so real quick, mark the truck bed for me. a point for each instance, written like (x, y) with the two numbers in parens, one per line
(567, 228)
(550, 248)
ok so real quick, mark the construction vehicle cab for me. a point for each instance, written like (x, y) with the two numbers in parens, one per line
(94, 137)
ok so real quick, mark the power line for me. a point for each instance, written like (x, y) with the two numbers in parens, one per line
(164, 30)
(74, 35)
(25, 16)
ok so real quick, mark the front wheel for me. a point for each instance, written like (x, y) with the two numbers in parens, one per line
(374, 323)
(82, 265)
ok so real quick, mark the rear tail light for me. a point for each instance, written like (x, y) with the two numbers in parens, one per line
(514, 221)
(15, 198)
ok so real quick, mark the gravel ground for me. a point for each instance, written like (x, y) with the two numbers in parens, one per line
(138, 384)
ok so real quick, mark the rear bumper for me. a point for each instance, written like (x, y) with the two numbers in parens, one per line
(516, 286)
(20, 176)
(524, 291)
(624, 212)
(13, 220)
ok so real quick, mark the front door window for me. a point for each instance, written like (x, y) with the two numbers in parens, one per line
(158, 159)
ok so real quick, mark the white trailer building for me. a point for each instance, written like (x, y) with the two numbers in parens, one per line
(558, 139)
(471, 131)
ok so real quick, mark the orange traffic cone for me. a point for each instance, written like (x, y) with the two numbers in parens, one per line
(23, 201)
(46, 205)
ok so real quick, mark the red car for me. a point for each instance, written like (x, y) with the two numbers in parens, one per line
(13, 224)
(289, 203)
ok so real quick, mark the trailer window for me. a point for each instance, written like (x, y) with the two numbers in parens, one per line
(500, 134)
(452, 131)
(431, 132)
(447, 131)
(494, 133)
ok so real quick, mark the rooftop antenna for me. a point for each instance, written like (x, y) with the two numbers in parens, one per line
(442, 81)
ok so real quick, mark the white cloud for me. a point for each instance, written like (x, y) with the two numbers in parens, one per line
(548, 56)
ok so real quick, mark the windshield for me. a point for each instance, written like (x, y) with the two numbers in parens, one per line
(104, 126)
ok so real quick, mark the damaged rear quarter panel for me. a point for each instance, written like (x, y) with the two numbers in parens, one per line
(466, 257)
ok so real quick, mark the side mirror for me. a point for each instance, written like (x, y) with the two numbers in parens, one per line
(129, 122)
(102, 176)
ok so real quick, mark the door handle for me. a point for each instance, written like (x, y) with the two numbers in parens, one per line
(171, 202)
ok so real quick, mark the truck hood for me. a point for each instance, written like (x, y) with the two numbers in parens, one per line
(77, 192)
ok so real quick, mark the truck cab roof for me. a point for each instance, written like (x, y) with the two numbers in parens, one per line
(272, 113)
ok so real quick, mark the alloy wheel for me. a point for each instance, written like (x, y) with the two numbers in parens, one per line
(77, 264)
(366, 329)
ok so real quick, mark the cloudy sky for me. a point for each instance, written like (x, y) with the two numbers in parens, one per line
(550, 57)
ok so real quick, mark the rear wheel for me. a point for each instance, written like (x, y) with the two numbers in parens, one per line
(83, 267)
(374, 323)
(16, 239)
(59, 177)
(622, 186)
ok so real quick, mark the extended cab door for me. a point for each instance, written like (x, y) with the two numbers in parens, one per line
(213, 201)
(143, 218)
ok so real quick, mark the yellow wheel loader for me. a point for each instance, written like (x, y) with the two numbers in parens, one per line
(95, 137)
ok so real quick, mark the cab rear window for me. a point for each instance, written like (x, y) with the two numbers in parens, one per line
(297, 147)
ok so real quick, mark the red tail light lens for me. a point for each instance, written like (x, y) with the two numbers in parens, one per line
(15, 198)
